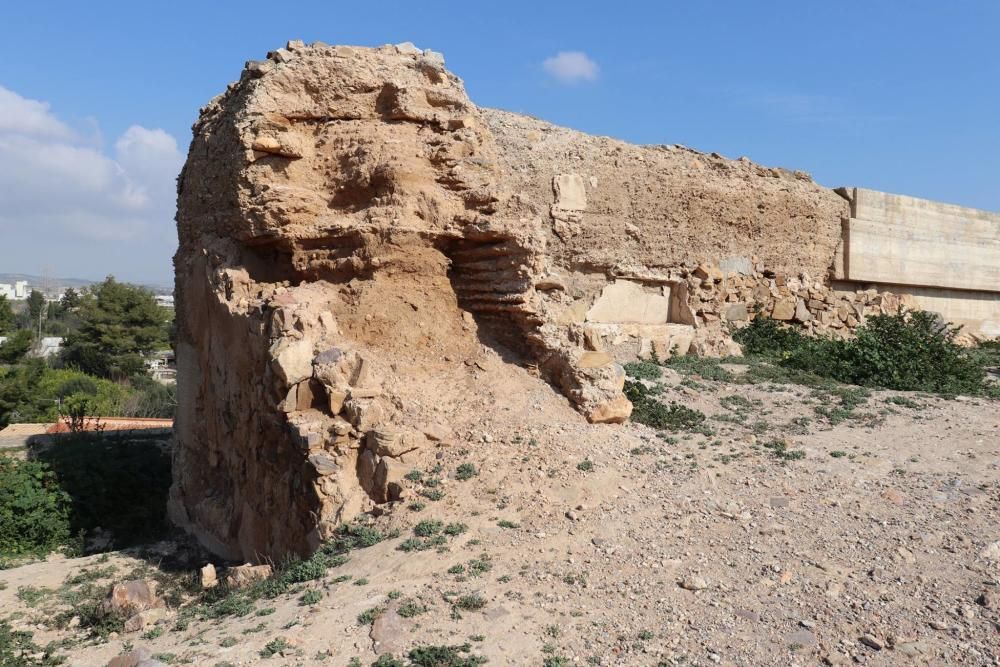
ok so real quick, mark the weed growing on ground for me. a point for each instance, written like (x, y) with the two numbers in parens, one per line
(673, 417)
(453, 529)
(585, 465)
(428, 528)
(310, 597)
(504, 523)
(368, 616)
(465, 472)
(432, 494)
(444, 656)
(643, 370)
(410, 608)
(273, 647)
(904, 402)
(779, 450)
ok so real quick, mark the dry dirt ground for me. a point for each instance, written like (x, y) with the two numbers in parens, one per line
(873, 541)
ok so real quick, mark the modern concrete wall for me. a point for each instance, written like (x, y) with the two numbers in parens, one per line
(909, 241)
(943, 258)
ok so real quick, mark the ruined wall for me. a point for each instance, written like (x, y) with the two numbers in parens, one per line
(343, 228)
(352, 227)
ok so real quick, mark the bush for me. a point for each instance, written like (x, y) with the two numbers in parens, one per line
(768, 337)
(909, 351)
(651, 412)
(34, 510)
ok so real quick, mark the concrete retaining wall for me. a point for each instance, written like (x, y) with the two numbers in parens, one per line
(946, 257)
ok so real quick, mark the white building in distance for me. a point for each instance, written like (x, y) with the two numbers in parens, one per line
(16, 292)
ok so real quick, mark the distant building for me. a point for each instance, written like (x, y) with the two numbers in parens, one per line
(16, 292)
(48, 347)
(165, 300)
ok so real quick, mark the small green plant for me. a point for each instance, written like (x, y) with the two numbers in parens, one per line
(505, 523)
(32, 595)
(454, 529)
(444, 656)
(465, 471)
(417, 506)
(368, 616)
(273, 647)
(428, 528)
(153, 632)
(646, 635)
(556, 661)
(903, 401)
(394, 595)
(471, 602)
(480, 566)
(361, 581)
(585, 465)
(227, 642)
(311, 597)
(410, 608)
(432, 494)
(838, 453)
(643, 370)
(779, 450)
(414, 475)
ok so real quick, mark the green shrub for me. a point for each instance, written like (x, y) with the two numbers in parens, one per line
(643, 370)
(444, 656)
(909, 351)
(768, 337)
(34, 510)
(707, 368)
(274, 647)
(648, 410)
(465, 471)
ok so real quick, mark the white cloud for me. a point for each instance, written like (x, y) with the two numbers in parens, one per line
(571, 67)
(61, 187)
(26, 117)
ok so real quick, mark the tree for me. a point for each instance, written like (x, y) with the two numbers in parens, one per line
(6, 315)
(119, 323)
(16, 346)
(70, 299)
(36, 307)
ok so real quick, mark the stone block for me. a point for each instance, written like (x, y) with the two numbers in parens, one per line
(594, 360)
(802, 313)
(628, 302)
(737, 312)
(784, 309)
(570, 192)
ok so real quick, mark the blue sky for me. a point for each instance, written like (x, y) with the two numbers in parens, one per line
(898, 96)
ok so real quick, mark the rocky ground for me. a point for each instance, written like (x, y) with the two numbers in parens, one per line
(795, 525)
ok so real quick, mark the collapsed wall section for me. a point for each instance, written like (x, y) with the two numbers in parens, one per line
(342, 229)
